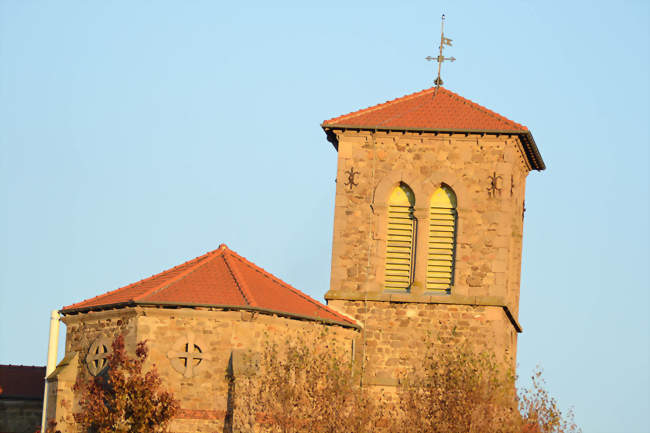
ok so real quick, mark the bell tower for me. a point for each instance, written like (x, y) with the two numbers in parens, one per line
(428, 225)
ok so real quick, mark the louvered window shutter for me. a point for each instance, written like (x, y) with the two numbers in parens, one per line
(442, 241)
(400, 240)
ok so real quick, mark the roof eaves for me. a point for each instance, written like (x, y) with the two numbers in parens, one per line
(532, 151)
(4, 396)
(67, 311)
(348, 323)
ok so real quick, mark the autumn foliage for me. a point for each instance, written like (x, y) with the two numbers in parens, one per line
(314, 385)
(300, 387)
(316, 388)
(124, 399)
(456, 389)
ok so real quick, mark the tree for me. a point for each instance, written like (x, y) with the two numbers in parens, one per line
(124, 399)
(300, 387)
(458, 390)
(540, 411)
(315, 388)
(454, 390)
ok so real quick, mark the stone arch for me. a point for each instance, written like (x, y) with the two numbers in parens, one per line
(464, 203)
(400, 240)
(381, 196)
(451, 179)
(393, 179)
(441, 240)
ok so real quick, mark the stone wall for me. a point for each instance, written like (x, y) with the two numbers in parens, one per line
(487, 173)
(215, 339)
(82, 330)
(397, 335)
(488, 259)
(219, 334)
(19, 415)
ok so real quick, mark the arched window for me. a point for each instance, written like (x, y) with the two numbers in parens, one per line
(442, 240)
(400, 243)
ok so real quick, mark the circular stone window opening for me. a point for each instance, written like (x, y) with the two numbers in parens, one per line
(187, 356)
(98, 353)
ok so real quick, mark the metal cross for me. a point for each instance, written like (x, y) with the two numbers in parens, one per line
(443, 41)
(191, 353)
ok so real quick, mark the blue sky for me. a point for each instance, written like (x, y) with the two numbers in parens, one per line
(137, 135)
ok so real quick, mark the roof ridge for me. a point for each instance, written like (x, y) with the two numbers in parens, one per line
(378, 106)
(485, 109)
(129, 286)
(192, 268)
(239, 281)
(270, 276)
(192, 283)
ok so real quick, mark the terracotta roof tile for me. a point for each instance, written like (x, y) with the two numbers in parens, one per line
(431, 110)
(22, 382)
(422, 110)
(218, 278)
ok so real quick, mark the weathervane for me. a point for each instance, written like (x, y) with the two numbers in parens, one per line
(443, 41)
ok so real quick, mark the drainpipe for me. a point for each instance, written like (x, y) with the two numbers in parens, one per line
(52, 348)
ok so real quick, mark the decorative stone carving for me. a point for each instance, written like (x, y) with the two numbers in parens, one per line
(351, 173)
(188, 355)
(97, 358)
(496, 185)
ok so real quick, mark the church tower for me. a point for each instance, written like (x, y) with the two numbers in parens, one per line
(428, 225)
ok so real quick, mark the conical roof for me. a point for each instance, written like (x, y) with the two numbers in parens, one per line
(434, 110)
(221, 279)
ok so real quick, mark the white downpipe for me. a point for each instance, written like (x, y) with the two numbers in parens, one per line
(52, 349)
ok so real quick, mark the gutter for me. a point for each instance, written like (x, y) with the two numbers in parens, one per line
(52, 349)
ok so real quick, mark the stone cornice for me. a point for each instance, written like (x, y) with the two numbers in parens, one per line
(528, 142)
(133, 308)
(483, 301)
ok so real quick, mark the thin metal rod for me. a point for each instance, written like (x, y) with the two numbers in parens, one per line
(440, 57)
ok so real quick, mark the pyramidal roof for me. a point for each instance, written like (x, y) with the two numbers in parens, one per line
(435, 110)
(221, 279)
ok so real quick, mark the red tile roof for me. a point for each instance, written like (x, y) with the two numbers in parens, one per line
(22, 382)
(431, 110)
(220, 278)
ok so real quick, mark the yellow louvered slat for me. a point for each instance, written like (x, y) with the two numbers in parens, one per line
(438, 269)
(399, 248)
(441, 242)
(399, 242)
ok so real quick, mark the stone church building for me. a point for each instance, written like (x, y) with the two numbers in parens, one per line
(428, 225)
